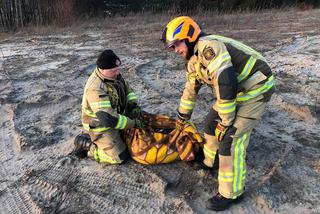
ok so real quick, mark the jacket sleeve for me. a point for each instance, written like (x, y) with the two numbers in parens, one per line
(191, 89)
(224, 79)
(132, 98)
(100, 104)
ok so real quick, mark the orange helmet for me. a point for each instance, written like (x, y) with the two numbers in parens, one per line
(180, 28)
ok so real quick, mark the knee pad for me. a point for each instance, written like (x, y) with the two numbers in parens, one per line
(225, 144)
(210, 122)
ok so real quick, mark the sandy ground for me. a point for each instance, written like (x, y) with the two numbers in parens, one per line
(41, 84)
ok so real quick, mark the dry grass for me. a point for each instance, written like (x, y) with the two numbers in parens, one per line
(252, 27)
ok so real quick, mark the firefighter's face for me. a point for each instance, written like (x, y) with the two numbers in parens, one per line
(111, 73)
(181, 48)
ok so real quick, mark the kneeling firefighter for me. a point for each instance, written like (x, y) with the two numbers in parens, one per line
(108, 106)
(243, 84)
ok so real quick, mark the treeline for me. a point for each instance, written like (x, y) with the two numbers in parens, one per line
(19, 13)
(15, 14)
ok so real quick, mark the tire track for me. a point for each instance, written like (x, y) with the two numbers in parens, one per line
(17, 200)
(116, 190)
(12, 198)
(8, 148)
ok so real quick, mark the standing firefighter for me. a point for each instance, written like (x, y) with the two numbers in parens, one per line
(243, 83)
(108, 106)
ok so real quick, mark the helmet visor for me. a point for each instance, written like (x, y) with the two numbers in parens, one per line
(167, 44)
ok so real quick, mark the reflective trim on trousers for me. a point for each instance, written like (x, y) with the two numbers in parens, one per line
(209, 152)
(101, 157)
(239, 163)
(225, 176)
(89, 113)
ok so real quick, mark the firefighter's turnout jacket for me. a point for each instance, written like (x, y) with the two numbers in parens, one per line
(113, 97)
(235, 71)
(243, 83)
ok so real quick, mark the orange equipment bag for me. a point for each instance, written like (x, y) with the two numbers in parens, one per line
(160, 142)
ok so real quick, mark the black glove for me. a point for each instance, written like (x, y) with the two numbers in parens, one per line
(134, 110)
(181, 121)
(139, 124)
(135, 113)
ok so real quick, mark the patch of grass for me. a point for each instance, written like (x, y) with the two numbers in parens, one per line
(265, 27)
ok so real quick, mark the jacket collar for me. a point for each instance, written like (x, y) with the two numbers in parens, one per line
(195, 49)
(104, 79)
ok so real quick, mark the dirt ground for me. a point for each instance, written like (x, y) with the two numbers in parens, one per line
(41, 85)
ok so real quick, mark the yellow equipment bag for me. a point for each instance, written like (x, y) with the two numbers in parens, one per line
(160, 142)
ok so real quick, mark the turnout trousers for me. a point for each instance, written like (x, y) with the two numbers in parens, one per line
(232, 149)
(108, 147)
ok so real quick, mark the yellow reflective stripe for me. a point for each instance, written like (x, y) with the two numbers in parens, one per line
(101, 104)
(209, 152)
(89, 113)
(238, 45)
(100, 129)
(216, 63)
(256, 92)
(187, 104)
(225, 176)
(198, 71)
(191, 78)
(244, 173)
(226, 108)
(238, 163)
(122, 122)
(86, 126)
(132, 96)
(101, 157)
(247, 69)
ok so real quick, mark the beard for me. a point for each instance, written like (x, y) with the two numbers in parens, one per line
(185, 55)
(188, 55)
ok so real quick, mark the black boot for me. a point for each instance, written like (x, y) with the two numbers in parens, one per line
(220, 203)
(215, 163)
(82, 145)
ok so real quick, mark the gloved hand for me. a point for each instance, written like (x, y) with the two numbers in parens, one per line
(139, 124)
(180, 124)
(182, 120)
(135, 113)
(220, 131)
